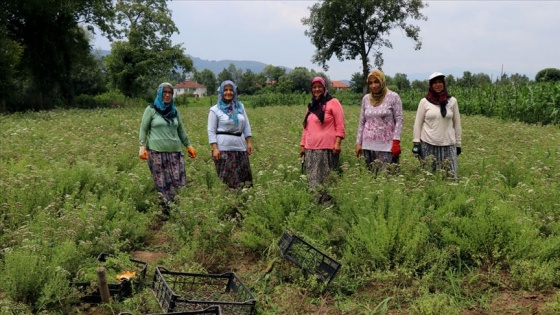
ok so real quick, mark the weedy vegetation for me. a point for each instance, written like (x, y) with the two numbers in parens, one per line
(409, 241)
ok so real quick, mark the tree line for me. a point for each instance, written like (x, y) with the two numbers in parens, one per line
(48, 62)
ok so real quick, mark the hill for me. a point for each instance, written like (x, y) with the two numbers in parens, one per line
(217, 66)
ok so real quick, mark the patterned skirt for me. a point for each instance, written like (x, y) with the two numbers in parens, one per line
(234, 170)
(441, 157)
(383, 157)
(168, 172)
(319, 164)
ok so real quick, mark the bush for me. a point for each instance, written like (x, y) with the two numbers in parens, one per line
(548, 75)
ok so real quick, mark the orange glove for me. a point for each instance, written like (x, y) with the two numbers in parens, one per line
(143, 153)
(396, 148)
(192, 152)
(126, 275)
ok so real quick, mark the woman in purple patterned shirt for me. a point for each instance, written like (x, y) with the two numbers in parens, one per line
(380, 123)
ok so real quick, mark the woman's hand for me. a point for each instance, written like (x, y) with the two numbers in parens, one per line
(143, 153)
(192, 152)
(336, 149)
(358, 149)
(249, 145)
(216, 154)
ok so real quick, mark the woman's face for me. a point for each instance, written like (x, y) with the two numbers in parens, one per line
(228, 93)
(317, 89)
(438, 85)
(374, 85)
(167, 94)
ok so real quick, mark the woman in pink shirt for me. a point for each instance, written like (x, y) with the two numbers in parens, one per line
(323, 131)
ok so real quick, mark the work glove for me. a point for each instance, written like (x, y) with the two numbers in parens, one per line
(192, 152)
(143, 153)
(396, 148)
(458, 150)
(417, 149)
(301, 151)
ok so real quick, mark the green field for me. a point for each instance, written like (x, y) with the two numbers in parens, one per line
(72, 186)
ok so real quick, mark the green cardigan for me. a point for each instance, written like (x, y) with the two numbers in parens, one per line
(159, 136)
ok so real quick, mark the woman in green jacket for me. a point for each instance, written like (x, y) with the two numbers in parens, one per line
(162, 137)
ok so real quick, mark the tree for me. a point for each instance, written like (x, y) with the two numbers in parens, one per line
(352, 28)
(273, 73)
(208, 79)
(248, 84)
(224, 75)
(231, 73)
(467, 80)
(450, 81)
(138, 65)
(53, 43)
(10, 56)
(401, 81)
(482, 79)
(548, 75)
(358, 82)
(300, 79)
(421, 85)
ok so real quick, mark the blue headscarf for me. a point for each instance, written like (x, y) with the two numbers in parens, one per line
(233, 108)
(167, 111)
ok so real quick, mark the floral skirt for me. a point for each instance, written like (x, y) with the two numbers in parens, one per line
(441, 157)
(234, 170)
(319, 164)
(383, 157)
(168, 172)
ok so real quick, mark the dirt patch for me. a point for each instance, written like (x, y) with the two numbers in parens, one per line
(148, 257)
(518, 302)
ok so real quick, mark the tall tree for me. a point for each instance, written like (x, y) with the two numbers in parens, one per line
(273, 73)
(53, 43)
(352, 28)
(208, 79)
(401, 81)
(358, 82)
(231, 73)
(137, 65)
(300, 79)
(248, 84)
(10, 55)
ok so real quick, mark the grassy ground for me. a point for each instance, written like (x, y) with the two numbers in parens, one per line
(71, 186)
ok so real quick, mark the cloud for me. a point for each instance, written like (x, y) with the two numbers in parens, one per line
(476, 36)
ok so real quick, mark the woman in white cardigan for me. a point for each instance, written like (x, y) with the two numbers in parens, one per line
(437, 128)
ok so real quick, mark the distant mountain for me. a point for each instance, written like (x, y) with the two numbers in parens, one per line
(217, 66)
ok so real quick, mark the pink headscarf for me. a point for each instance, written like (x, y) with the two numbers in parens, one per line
(323, 83)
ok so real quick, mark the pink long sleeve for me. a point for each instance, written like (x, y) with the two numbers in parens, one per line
(317, 136)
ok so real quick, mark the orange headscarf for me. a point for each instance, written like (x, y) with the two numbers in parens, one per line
(377, 99)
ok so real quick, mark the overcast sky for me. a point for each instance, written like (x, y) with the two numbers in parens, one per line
(478, 36)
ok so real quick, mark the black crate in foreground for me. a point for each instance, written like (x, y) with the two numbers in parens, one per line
(211, 310)
(307, 257)
(117, 291)
(181, 291)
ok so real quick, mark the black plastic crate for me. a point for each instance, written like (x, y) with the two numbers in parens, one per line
(118, 290)
(181, 291)
(211, 310)
(307, 257)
